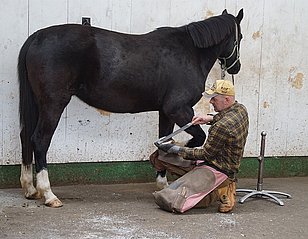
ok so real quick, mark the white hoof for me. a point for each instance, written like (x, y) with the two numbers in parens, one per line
(55, 203)
(161, 182)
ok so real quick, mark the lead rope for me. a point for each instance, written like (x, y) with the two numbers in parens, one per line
(223, 73)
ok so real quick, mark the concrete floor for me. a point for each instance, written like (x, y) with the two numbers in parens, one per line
(128, 211)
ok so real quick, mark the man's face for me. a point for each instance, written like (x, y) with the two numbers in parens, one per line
(219, 102)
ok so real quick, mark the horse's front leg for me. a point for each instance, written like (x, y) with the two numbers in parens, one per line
(198, 136)
(183, 115)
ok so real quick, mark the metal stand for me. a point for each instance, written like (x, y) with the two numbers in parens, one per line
(259, 192)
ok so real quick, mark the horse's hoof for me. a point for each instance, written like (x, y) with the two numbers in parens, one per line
(34, 196)
(55, 203)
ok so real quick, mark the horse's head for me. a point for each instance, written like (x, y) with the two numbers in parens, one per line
(230, 56)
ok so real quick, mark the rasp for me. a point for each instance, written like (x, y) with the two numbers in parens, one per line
(166, 138)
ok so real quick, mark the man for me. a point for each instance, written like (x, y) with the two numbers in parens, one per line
(223, 148)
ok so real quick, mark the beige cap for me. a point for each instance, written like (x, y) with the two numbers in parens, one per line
(220, 87)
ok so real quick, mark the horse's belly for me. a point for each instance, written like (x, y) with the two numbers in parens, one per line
(117, 104)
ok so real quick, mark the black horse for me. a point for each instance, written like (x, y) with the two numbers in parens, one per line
(164, 70)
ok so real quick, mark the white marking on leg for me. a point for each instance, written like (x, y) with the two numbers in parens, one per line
(26, 181)
(161, 182)
(43, 186)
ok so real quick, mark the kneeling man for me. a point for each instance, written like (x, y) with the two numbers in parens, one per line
(222, 150)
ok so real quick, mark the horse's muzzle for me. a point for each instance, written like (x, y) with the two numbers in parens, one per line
(235, 69)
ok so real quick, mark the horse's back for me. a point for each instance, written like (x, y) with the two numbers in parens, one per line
(64, 43)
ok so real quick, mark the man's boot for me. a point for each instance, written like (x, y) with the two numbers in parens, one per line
(227, 197)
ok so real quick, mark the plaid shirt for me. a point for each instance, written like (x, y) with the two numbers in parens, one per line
(225, 144)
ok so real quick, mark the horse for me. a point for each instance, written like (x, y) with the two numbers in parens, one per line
(163, 70)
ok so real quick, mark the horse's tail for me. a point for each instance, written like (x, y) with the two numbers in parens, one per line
(28, 110)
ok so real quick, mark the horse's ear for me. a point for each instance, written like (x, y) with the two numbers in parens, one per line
(224, 12)
(240, 15)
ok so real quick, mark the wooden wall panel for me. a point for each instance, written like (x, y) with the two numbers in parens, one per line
(271, 83)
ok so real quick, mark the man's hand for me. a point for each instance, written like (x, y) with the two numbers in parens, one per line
(169, 148)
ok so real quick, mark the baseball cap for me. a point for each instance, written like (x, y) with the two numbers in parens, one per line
(220, 87)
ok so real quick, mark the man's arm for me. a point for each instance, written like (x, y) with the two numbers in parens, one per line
(206, 119)
(214, 144)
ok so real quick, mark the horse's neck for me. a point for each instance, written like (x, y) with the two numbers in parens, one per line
(208, 59)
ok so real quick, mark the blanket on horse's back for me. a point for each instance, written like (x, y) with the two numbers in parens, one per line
(185, 192)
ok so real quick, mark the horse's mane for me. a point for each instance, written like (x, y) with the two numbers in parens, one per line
(211, 31)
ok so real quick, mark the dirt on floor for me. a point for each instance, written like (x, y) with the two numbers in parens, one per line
(129, 211)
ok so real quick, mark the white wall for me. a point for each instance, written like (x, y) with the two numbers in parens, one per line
(271, 83)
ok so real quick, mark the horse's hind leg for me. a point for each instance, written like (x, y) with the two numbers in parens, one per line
(26, 175)
(49, 116)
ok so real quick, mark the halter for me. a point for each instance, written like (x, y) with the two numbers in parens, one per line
(223, 60)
